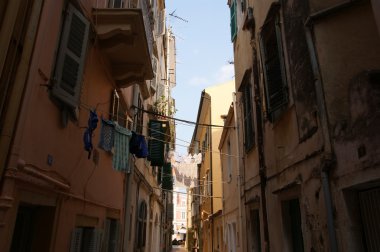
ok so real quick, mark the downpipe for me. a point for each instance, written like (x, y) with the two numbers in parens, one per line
(328, 161)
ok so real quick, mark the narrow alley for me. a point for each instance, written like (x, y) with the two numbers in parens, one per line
(178, 249)
(178, 125)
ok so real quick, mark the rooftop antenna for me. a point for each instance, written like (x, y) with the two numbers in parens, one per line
(173, 15)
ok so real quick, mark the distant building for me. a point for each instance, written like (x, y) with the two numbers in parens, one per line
(180, 213)
(214, 102)
(232, 207)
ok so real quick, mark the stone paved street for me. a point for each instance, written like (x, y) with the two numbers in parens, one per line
(178, 249)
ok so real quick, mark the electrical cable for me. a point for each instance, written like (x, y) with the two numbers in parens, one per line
(181, 120)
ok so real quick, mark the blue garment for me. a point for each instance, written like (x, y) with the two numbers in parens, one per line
(107, 135)
(87, 137)
(121, 144)
(138, 146)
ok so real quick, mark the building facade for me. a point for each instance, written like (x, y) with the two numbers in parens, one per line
(307, 76)
(214, 102)
(231, 184)
(74, 75)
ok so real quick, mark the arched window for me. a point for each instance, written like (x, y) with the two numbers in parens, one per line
(141, 228)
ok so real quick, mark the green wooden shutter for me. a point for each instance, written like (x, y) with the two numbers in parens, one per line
(156, 143)
(233, 23)
(167, 178)
(71, 58)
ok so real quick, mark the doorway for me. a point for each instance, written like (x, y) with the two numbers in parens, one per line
(33, 228)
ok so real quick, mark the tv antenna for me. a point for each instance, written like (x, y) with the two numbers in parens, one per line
(173, 15)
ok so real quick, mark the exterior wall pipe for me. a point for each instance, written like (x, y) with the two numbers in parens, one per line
(328, 159)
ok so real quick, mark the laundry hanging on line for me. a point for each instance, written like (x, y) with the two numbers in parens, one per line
(87, 137)
(121, 143)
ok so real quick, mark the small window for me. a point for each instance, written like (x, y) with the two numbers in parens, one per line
(249, 133)
(85, 239)
(255, 239)
(70, 58)
(141, 226)
(116, 4)
(111, 235)
(139, 117)
(229, 161)
(273, 65)
(292, 225)
(233, 22)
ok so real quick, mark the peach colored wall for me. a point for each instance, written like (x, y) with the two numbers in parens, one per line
(221, 98)
(39, 134)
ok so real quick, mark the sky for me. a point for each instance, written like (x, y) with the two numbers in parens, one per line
(203, 48)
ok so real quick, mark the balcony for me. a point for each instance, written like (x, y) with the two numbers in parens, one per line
(125, 37)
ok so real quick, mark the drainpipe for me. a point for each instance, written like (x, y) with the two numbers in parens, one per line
(328, 161)
(212, 185)
(238, 168)
(127, 213)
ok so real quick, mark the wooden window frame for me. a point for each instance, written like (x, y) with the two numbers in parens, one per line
(273, 64)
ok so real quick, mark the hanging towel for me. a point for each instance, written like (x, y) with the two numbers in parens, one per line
(87, 137)
(107, 135)
(138, 146)
(121, 144)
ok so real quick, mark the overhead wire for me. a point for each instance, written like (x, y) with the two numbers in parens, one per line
(181, 120)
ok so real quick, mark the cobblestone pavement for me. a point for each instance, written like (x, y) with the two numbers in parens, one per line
(178, 249)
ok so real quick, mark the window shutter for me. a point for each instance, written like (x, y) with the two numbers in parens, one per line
(76, 240)
(248, 117)
(161, 23)
(233, 23)
(107, 227)
(273, 63)
(95, 241)
(117, 236)
(71, 57)
(167, 179)
(156, 144)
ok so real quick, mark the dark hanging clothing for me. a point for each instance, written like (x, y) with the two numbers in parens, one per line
(138, 146)
(87, 137)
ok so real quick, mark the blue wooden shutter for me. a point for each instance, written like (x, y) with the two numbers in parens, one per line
(71, 58)
(233, 23)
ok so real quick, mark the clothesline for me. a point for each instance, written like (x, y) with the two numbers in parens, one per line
(200, 180)
(87, 107)
(199, 195)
